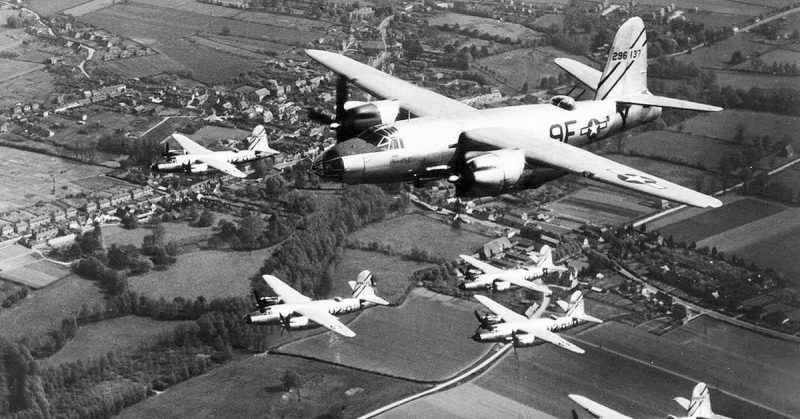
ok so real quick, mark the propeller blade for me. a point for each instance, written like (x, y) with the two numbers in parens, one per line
(320, 117)
(341, 96)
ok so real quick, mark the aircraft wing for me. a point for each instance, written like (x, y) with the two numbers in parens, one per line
(485, 267)
(553, 338)
(287, 293)
(415, 99)
(585, 163)
(585, 74)
(221, 165)
(190, 146)
(501, 311)
(527, 284)
(322, 317)
(597, 409)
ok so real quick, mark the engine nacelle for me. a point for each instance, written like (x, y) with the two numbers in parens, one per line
(522, 341)
(264, 302)
(172, 153)
(486, 320)
(299, 322)
(196, 168)
(359, 116)
(490, 173)
(501, 285)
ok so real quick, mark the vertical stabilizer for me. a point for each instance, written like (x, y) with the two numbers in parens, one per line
(545, 257)
(258, 141)
(700, 406)
(363, 289)
(576, 308)
(625, 73)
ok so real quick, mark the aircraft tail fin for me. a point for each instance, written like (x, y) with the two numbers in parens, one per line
(363, 289)
(700, 405)
(575, 308)
(259, 141)
(625, 73)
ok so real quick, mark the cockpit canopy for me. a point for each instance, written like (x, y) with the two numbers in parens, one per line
(563, 102)
(382, 136)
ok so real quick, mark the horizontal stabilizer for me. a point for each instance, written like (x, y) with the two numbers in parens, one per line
(588, 318)
(585, 74)
(667, 102)
(683, 402)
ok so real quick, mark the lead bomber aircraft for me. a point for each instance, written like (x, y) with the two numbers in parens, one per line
(494, 151)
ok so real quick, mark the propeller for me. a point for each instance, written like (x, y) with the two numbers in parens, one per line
(187, 168)
(166, 149)
(335, 122)
(514, 346)
(259, 302)
(285, 323)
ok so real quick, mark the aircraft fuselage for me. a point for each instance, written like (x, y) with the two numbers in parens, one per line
(336, 306)
(194, 162)
(506, 332)
(421, 148)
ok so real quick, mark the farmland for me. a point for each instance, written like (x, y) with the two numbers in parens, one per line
(25, 177)
(172, 30)
(392, 275)
(211, 274)
(484, 25)
(754, 125)
(683, 175)
(425, 339)
(25, 82)
(703, 153)
(772, 241)
(600, 206)
(618, 373)
(416, 230)
(720, 219)
(526, 65)
(43, 309)
(251, 387)
(178, 232)
(119, 335)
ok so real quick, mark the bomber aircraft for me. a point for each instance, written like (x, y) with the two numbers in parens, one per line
(294, 311)
(498, 279)
(494, 151)
(195, 158)
(508, 326)
(698, 408)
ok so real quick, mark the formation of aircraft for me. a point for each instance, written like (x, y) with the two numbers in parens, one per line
(295, 311)
(698, 408)
(498, 279)
(508, 326)
(494, 151)
(195, 158)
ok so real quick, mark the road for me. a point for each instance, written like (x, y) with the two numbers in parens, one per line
(770, 19)
(666, 212)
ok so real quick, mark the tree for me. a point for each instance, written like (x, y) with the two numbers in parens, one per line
(130, 221)
(290, 380)
(206, 219)
(736, 58)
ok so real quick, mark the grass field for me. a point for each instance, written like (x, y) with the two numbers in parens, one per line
(415, 230)
(211, 274)
(620, 375)
(703, 153)
(120, 335)
(772, 241)
(526, 65)
(745, 81)
(44, 309)
(724, 125)
(171, 28)
(600, 206)
(485, 25)
(49, 7)
(465, 401)
(719, 55)
(392, 275)
(30, 83)
(88, 7)
(177, 231)
(720, 219)
(25, 177)
(427, 339)
(251, 387)
(683, 175)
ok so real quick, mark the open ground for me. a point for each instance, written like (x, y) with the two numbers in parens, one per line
(392, 275)
(425, 339)
(251, 387)
(416, 230)
(485, 25)
(528, 65)
(25, 177)
(599, 206)
(638, 373)
(772, 241)
(44, 309)
(120, 335)
(721, 219)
